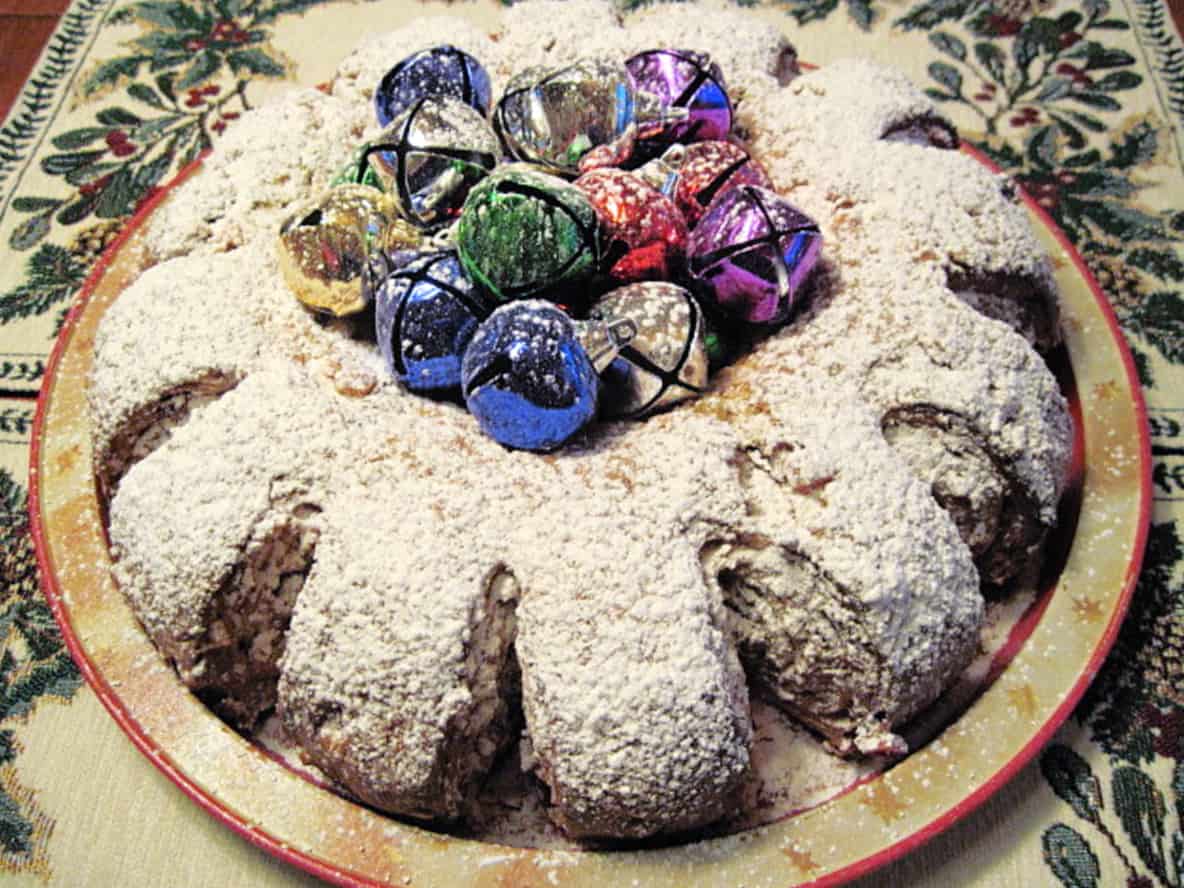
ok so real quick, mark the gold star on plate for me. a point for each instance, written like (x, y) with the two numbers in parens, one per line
(1088, 610)
(884, 802)
(1106, 391)
(1023, 700)
(801, 860)
(64, 461)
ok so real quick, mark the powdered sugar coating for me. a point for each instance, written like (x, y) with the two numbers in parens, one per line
(306, 136)
(618, 547)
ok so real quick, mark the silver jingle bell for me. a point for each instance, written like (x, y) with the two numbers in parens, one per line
(555, 116)
(666, 361)
(430, 156)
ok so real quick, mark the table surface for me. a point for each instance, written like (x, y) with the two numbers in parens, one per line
(1103, 805)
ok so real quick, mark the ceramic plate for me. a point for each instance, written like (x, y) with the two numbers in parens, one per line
(1055, 648)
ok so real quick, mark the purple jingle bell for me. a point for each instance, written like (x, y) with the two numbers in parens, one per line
(683, 79)
(750, 253)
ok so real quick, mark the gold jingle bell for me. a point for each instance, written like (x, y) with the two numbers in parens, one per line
(324, 246)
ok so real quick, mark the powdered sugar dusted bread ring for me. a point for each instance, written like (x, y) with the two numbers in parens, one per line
(850, 627)
(294, 529)
(240, 527)
(903, 200)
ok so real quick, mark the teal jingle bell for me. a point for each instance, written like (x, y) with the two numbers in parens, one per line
(525, 233)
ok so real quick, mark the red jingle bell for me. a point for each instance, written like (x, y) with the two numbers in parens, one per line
(645, 232)
(694, 174)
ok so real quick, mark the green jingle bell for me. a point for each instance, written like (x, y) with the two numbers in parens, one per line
(525, 233)
(666, 359)
(323, 246)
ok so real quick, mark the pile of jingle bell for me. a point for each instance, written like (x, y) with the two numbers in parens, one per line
(594, 248)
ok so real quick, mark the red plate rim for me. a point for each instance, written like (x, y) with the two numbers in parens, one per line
(325, 870)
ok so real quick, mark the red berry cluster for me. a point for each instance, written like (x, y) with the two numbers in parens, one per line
(120, 144)
(986, 93)
(1077, 75)
(225, 31)
(196, 97)
(1046, 190)
(1025, 117)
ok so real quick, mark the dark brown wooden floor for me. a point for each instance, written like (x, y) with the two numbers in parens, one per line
(25, 26)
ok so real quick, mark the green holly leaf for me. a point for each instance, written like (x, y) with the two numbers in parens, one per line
(1053, 89)
(79, 138)
(1112, 25)
(164, 83)
(78, 210)
(932, 13)
(1159, 318)
(1137, 147)
(173, 15)
(1068, 21)
(1070, 857)
(1096, 100)
(111, 72)
(1141, 807)
(861, 13)
(158, 43)
(30, 232)
(806, 11)
(35, 204)
(1072, 780)
(1085, 159)
(52, 275)
(117, 117)
(272, 10)
(948, 76)
(1101, 182)
(1088, 121)
(1072, 134)
(90, 173)
(167, 61)
(13, 498)
(1098, 57)
(151, 130)
(204, 66)
(1116, 81)
(1163, 264)
(254, 61)
(1121, 221)
(146, 94)
(15, 830)
(1025, 48)
(938, 96)
(1042, 148)
(60, 164)
(118, 198)
(949, 44)
(991, 57)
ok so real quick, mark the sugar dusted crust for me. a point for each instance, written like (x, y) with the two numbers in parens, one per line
(295, 531)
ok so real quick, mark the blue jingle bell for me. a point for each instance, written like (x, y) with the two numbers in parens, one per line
(424, 316)
(527, 377)
(441, 70)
